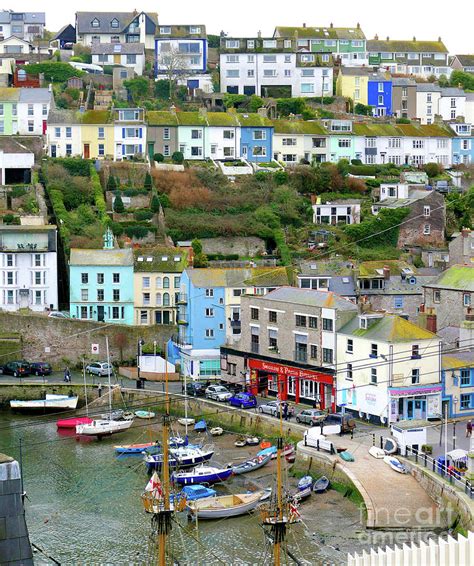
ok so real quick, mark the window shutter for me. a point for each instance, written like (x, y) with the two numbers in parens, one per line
(123, 133)
(140, 148)
(140, 133)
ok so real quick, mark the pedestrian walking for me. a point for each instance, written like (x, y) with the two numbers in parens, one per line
(99, 389)
(67, 375)
(285, 411)
(291, 413)
(469, 429)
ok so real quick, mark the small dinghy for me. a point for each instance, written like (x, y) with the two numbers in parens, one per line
(265, 444)
(395, 464)
(272, 450)
(200, 426)
(145, 414)
(321, 485)
(192, 493)
(301, 494)
(73, 422)
(390, 446)
(289, 453)
(347, 456)
(216, 431)
(305, 482)
(240, 442)
(251, 465)
(202, 474)
(225, 506)
(186, 422)
(267, 492)
(377, 452)
(252, 441)
(134, 448)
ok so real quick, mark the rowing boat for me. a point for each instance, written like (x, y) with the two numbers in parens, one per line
(225, 506)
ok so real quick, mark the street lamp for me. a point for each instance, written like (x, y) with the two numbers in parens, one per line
(140, 382)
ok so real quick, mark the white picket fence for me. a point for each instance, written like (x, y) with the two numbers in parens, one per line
(441, 552)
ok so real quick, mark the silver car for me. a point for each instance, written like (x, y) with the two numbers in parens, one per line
(100, 368)
(270, 408)
(310, 416)
(218, 393)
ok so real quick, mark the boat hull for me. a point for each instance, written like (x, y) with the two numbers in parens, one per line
(155, 461)
(218, 508)
(321, 485)
(133, 448)
(102, 428)
(145, 414)
(189, 479)
(251, 465)
(73, 422)
(51, 404)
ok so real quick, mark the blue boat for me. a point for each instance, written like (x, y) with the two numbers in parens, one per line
(305, 482)
(131, 449)
(193, 492)
(200, 426)
(202, 474)
(272, 450)
(321, 485)
(182, 457)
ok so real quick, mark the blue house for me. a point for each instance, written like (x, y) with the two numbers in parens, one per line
(101, 283)
(379, 94)
(256, 138)
(463, 144)
(458, 383)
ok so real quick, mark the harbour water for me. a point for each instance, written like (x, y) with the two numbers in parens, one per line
(83, 505)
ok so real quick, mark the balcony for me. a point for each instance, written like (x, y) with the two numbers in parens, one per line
(183, 340)
(182, 299)
(300, 356)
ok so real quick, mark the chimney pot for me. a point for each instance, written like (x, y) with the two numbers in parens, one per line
(414, 38)
(331, 25)
(439, 39)
(386, 272)
(465, 232)
(304, 24)
(376, 37)
(358, 25)
(388, 38)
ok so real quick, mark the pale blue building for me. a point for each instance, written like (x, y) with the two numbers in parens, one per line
(463, 144)
(101, 283)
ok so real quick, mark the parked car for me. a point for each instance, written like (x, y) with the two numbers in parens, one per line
(17, 369)
(218, 393)
(41, 368)
(100, 368)
(234, 387)
(243, 400)
(196, 388)
(346, 421)
(310, 416)
(58, 314)
(270, 408)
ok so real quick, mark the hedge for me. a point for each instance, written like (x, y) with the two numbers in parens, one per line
(55, 71)
(222, 257)
(98, 196)
(285, 254)
(75, 166)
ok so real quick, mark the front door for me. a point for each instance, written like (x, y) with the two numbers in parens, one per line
(45, 126)
(53, 151)
(166, 317)
(87, 151)
(410, 408)
(116, 58)
(100, 313)
(151, 149)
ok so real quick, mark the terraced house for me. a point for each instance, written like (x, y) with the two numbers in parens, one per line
(294, 140)
(157, 274)
(162, 133)
(274, 67)
(433, 102)
(24, 111)
(420, 58)
(129, 132)
(366, 86)
(463, 144)
(346, 44)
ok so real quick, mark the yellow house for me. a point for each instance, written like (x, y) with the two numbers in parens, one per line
(97, 134)
(157, 274)
(353, 83)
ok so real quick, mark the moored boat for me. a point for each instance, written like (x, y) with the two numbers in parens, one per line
(395, 464)
(145, 414)
(252, 440)
(193, 492)
(224, 506)
(305, 482)
(346, 456)
(251, 465)
(301, 494)
(202, 474)
(73, 422)
(272, 450)
(102, 427)
(216, 431)
(390, 445)
(51, 403)
(321, 485)
(240, 442)
(186, 422)
(200, 426)
(134, 448)
(377, 452)
(182, 457)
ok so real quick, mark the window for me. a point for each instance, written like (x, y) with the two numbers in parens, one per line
(344, 142)
(269, 43)
(349, 374)
(57, 132)
(101, 149)
(259, 135)
(116, 295)
(131, 59)
(250, 44)
(436, 296)
(100, 278)
(426, 230)
(380, 85)
(253, 313)
(44, 110)
(373, 376)
(269, 58)
(313, 352)
(250, 73)
(307, 72)
(10, 261)
(37, 297)
(272, 316)
(31, 110)
(269, 73)
(196, 134)
(232, 44)
(84, 293)
(466, 299)
(209, 312)
(415, 376)
(300, 321)
(100, 295)
(307, 87)
(68, 132)
(453, 114)
(418, 144)
(350, 346)
(115, 313)
(287, 72)
(465, 377)
(209, 292)
(95, 23)
(287, 58)
(289, 157)
(166, 150)
(272, 339)
(373, 350)
(380, 99)
(103, 58)
(31, 126)
(465, 401)
(313, 322)
(398, 302)
(177, 281)
(83, 312)
(84, 278)
(232, 59)
(100, 133)
(289, 141)
(394, 142)
(327, 355)
(232, 73)
(146, 282)
(259, 150)
(209, 333)
(116, 278)
(146, 299)
(328, 324)
(426, 211)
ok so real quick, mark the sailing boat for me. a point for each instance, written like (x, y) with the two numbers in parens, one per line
(104, 426)
(72, 422)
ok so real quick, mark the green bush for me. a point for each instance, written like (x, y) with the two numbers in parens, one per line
(255, 103)
(137, 87)
(10, 219)
(53, 71)
(380, 230)
(287, 106)
(403, 121)
(99, 199)
(148, 183)
(155, 204)
(177, 157)
(284, 250)
(159, 157)
(136, 231)
(112, 184)
(75, 166)
(234, 100)
(141, 215)
(281, 177)
(356, 162)
(18, 192)
(119, 207)
(432, 169)
(363, 109)
(162, 89)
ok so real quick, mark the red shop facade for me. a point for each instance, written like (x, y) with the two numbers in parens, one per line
(288, 382)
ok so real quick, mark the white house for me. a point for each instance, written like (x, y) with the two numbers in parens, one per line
(337, 212)
(432, 100)
(13, 45)
(388, 368)
(63, 135)
(33, 110)
(116, 27)
(28, 265)
(130, 55)
(224, 142)
(261, 66)
(452, 103)
(16, 161)
(129, 133)
(24, 25)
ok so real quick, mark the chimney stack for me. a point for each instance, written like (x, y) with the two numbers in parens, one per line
(358, 25)
(386, 272)
(414, 38)
(388, 38)
(304, 25)
(465, 232)
(331, 25)
(376, 37)
(439, 39)
(431, 323)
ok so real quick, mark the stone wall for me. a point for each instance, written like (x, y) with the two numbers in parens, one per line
(15, 548)
(58, 341)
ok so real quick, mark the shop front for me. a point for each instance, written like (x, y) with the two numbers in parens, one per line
(414, 403)
(288, 382)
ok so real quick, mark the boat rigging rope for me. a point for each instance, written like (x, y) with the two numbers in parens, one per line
(36, 547)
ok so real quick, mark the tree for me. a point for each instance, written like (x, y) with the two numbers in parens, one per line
(112, 183)
(200, 258)
(462, 79)
(363, 109)
(121, 342)
(174, 66)
(177, 157)
(197, 246)
(162, 89)
(443, 81)
(148, 184)
(159, 157)
(155, 203)
(138, 88)
(432, 169)
(118, 205)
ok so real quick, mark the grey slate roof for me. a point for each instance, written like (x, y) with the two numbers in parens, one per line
(311, 298)
(428, 87)
(112, 49)
(343, 286)
(29, 17)
(10, 145)
(35, 95)
(63, 117)
(357, 71)
(119, 257)
(400, 81)
(452, 91)
(84, 21)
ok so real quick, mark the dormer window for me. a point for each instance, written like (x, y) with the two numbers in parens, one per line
(114, 23)
(95, 23)
(363, 323)
(195, 29)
